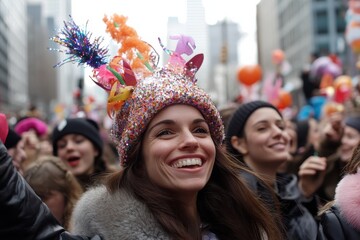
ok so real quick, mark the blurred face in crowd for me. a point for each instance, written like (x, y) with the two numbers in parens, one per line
(178, 150)
(78, 153)
(290, 129)
(18, 155)
(313, 133)
(349, 141)
(265, 142)
(55, 201)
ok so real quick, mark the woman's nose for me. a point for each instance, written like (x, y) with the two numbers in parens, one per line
(70, 145)
(189, 141)
(279, 132)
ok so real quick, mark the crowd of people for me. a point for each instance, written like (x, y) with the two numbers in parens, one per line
(183, 169)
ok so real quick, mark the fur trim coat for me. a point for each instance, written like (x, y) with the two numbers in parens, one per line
(342, 221)
(347, 197)
(114, 216)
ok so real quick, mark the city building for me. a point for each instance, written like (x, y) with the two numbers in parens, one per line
(13, 56)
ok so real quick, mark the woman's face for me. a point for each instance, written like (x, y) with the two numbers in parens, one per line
(78, 153)
(265, 141)
(55, 201)
(178, 150)
(349, 141)
(313, 133)
(18, 155)
(290, 128)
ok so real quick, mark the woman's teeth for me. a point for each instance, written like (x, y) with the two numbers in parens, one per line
(187, 162)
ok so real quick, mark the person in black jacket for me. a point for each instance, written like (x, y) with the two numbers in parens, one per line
(340, 219)
(23, 215)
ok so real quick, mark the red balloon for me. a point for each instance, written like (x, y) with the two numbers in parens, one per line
(248, 75)
(342, 94)
(284, 100)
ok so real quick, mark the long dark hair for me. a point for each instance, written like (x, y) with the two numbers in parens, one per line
(354, 163)
(226, 204)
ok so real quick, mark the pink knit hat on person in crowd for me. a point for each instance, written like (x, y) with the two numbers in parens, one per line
(31, 123)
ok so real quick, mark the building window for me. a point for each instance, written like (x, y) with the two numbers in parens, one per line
(321, 20)
(340, 20)
(323, 48)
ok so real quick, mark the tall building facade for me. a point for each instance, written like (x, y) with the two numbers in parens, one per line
(13, 56)
(61, 82)
(42, 77)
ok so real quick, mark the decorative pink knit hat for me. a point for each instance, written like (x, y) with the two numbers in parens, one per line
(153, 94)
(143, 91)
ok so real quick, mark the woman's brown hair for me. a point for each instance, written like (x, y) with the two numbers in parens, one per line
(226, 204)
(49, 173)
(354, 163)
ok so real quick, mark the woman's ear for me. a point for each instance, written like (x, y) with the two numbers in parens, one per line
(239, 144)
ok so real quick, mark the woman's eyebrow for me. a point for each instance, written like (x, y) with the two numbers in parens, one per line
(166, 122)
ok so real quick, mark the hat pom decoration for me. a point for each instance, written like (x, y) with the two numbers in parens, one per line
(79, 47)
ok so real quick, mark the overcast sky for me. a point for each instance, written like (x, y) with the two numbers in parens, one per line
(149, 18)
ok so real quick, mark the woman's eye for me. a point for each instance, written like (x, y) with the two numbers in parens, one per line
(282, 127)
(61, 144)
(163, 133)
(79, 140)
(261, 129)
(201, 130)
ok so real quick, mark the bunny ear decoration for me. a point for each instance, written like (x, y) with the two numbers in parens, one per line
(194, 64)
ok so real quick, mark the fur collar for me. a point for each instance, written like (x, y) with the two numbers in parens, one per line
(114, 216)
(347, 198)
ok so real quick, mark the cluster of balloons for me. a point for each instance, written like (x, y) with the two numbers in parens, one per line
(251, 74)
(338, 90)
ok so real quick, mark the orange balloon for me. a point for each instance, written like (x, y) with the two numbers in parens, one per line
(284, 100)
(278, 56)
(250, 74)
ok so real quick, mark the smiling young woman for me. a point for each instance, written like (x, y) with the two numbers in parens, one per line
(256, 136)
(176, 176)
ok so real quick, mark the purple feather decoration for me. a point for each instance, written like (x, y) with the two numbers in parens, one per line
(79, 46)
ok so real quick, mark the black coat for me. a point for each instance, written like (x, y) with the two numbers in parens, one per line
(22, 213)
(335, 228)
(298, 221)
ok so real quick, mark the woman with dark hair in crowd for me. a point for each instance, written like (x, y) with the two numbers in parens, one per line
(256, 136)
(23, 215)
(77, 142)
